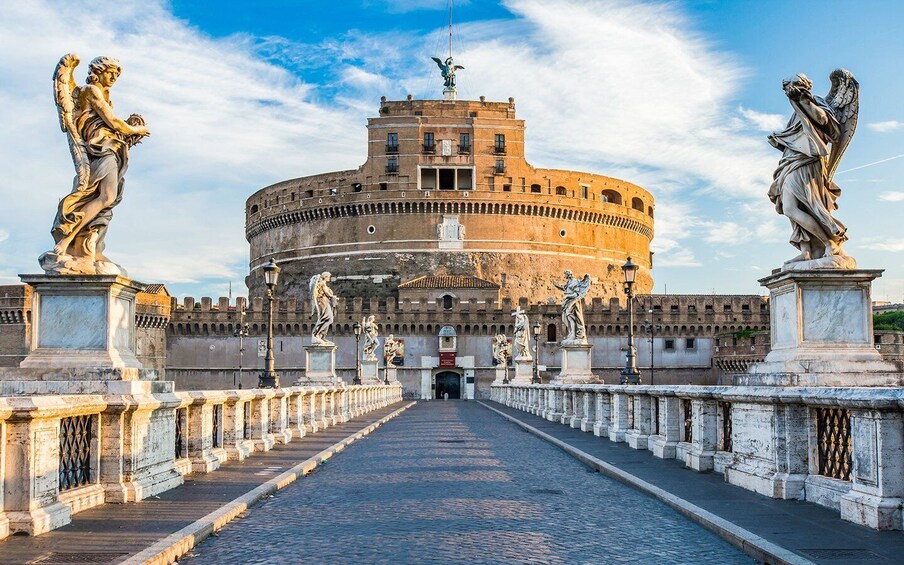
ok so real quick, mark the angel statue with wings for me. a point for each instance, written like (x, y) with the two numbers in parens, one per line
(812, 144)
(448, 71)
(391, 350)
(502, 349)
(99, 143)
(573, 308)
(323, 303)
(370, 338)
(521, 337)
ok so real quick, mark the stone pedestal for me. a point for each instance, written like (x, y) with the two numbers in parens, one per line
(822, 332)
(575, 365)
(82, 321)
(392, 374)
(500, 375)
(320, 365)
(370, 372)
(524, 371)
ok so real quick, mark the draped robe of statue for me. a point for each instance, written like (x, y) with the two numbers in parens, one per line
(323, 301)
(521, 337)
(573, 292)
(371, 341)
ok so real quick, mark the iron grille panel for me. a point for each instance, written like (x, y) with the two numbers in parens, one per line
(630, 412)
(833, 437)
(246, 423)
(75, 451)
(217, 425)
(180, 432)
(726, 426)
(688, 412)
(655, 415)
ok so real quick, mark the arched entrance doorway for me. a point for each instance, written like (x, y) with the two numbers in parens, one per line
(448, 381)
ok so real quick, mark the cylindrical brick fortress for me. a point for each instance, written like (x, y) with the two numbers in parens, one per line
(446, 191)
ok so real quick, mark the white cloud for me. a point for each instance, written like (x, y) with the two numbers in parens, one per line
(888, 244)
(886, 127)
(4, 235)
(763, 122)
(892, 196)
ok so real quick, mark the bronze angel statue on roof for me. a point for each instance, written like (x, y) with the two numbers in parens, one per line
(448, 71)
(99, 143)
(812, 145)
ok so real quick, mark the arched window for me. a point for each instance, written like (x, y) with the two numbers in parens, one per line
(650, 211)
(447, 302)
(254, 209)
(560, 191)
(536, 188)
(637, 204)
(551, 332)
(611, 196)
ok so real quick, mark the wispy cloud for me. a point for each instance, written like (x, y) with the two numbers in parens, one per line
(886, 127)
(888, 244)
(762, 121)
(892, 196)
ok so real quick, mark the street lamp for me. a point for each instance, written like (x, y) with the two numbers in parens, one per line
(269, 378)
(357, 328)
(241, 332)
(535, 379)
(630, 375)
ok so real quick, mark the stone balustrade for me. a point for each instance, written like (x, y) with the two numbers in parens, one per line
(60, 454)
(842, 448)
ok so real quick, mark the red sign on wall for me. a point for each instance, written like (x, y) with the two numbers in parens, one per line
(447, 359)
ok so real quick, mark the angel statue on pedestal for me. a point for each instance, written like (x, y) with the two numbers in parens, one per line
(573, 308)
(521, 337)
(502, 349)
(370, 338)
(99, 143)
(391, 350)
(804, 189)
(323, 303)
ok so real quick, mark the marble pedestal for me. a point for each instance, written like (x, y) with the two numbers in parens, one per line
(575, 365)
(501, 371)
(82, 321)
(822, 332)
(320, 365)
(392, 374)
(370, 372)
(524, 371)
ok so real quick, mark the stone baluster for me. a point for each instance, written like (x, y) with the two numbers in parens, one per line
(588, 410)
(238, 448)
(296, 412)
(577, 406)
(603, 413)
(619, 422)
(205, 443)
(323, 419)
(638, 436)
(279, 417)
(311, 424)
(663, 444)
(260, 420)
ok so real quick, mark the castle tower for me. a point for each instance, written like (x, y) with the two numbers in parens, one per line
(446, 190)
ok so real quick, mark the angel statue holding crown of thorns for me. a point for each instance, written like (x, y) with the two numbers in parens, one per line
(812, 145)
(99, 143)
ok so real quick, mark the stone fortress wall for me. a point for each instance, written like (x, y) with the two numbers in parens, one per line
(449, 209)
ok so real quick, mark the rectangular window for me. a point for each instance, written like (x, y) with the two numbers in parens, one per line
(428, 179)
(726, 307)
(465, 179)
(709, 308)
(429, 143)
(500, 166)
(334, 191)
(464, 143)
(691, 307)
(447, 179)
(674, 309)
(745, 307)
(506, 188)
(585, 191)
(392, 165)
(690, 343)
(384, 186)
(499, 145)
(392, 143)
(670, 345)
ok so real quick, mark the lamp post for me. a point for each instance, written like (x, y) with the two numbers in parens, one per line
(357, 328)
(269, 378)
(535, 378)
(241, 332)
(651, 328)
(505, 363)
(630, 375)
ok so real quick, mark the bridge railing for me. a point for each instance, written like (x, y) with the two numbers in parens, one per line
(842, 448)
(60, 454)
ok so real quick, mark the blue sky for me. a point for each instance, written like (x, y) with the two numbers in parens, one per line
(677, 97)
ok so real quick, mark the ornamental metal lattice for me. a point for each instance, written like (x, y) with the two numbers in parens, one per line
(726, 426)
(75, 451)
(833, 438)
(180, 433)
(246, 423)
(217, 424)
(688, 411)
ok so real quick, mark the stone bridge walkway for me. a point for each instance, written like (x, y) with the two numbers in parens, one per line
(454, 482)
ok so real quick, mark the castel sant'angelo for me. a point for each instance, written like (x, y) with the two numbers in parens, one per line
(446, 190)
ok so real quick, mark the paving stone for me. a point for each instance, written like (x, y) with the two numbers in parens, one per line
(453, 482)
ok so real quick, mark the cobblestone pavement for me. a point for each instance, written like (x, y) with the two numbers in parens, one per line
(453, 482)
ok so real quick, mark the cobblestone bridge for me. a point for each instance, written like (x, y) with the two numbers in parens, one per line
(452, 482)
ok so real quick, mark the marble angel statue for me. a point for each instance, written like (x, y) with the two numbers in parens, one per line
(812, 145)
(99, 143)
(502, 349)
(323, 304)
(370, 338)
(574, 291)
(391, 350)
(521, 337)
